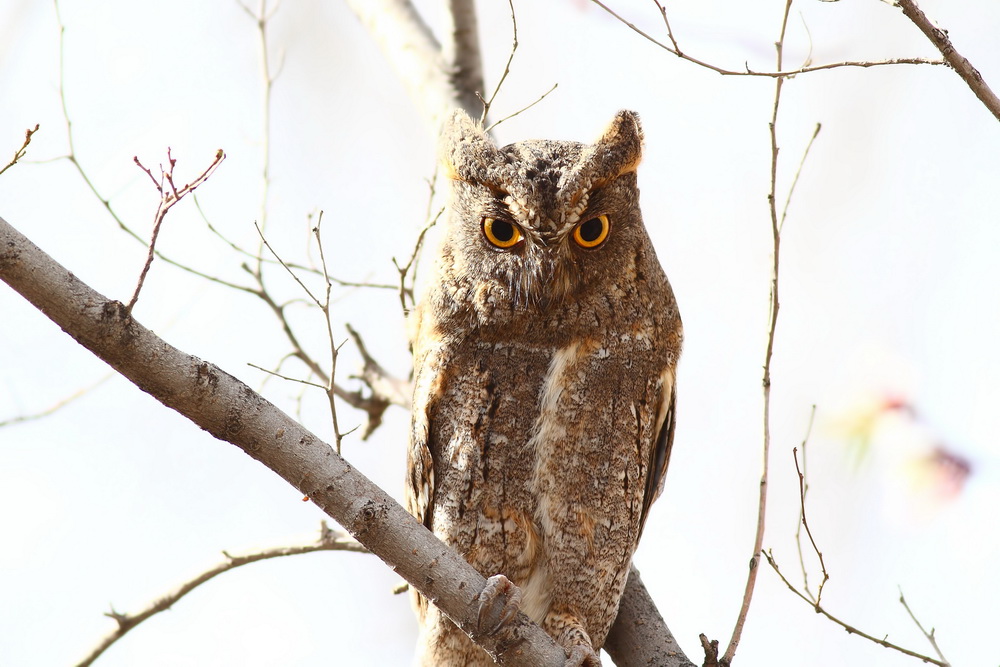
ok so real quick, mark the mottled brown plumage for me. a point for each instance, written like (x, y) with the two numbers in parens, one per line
(545, 353)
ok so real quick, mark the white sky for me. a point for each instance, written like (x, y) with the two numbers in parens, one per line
(889, 284)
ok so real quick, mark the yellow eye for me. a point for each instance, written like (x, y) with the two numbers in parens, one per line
(502, 234)
(592, 233)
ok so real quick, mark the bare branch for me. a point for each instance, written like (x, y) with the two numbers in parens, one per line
(20, 152)
(460, 49)
(929, 635)
(816, 600)
(523, 109)
(849, 628)
(106, 203)
(55, 407)
(958, 62)
(261, 18)
(795, 180)
(167, 200)
(779, 73)
(231, 411)
(488, 104)
(758, 545)
(411, 49)
(639, 635)
(288, 378)
(805, 524)
(331, 343)
(329, 540)
(406, 291)
(803, 491)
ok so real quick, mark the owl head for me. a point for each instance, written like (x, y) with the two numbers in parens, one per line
(539, 227)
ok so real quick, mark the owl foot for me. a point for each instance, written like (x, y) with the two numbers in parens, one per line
(498, 603)
(583, 656)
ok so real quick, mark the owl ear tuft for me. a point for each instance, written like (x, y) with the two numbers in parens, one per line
(464, 147)
(619, 149)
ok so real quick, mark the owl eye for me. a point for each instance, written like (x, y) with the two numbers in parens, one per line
(593, 232)
(501, 233)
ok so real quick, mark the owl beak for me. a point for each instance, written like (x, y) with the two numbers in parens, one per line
(549, 279)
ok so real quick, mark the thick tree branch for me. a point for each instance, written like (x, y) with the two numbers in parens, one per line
(639, 635)
(460, 48)
(411, 49)
(959, 63)
(231, 411)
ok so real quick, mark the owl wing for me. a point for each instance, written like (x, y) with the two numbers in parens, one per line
(420, 479)
(659, 455)
(419, 489)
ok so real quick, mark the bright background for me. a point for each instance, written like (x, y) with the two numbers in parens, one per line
(889, 292)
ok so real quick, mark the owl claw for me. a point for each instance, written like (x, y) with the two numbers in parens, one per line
(498, 603)
(583, 656)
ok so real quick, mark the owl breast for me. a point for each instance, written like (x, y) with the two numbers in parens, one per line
(541, 454)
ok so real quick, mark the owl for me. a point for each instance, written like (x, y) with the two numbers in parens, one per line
(545, 352)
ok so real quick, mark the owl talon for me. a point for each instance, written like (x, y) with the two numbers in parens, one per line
(583, 656)
(498, 603)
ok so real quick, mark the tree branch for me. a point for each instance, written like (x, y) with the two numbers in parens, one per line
(746, 71)
(231, 411)
(461, 53)
(958, 62)
(411, 49)
(23, 150)
(849, 628)
(329, 540)
(758, 544)
(639, 635)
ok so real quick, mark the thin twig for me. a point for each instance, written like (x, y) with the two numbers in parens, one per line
(929, 635)
(779, 73)
(58, 405)
(328, 540)
(523, 109)
(261, 18)
(795, 181)
(488, 104)
(286, 377)
(71, 156)
(167, 201)
(849, 628)
(333, 346)
(404, 271)
(20, 152)
(288, 269)
(803, 491)
(298, 267)
(958, 62)
(805, 524)
(727, 658)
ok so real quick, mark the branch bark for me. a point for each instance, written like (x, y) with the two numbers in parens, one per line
(410, 47)
(958, 62)
(231, 411)
(639, 635)
(461, 52)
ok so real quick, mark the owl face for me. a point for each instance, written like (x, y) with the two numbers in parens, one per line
(538, 227)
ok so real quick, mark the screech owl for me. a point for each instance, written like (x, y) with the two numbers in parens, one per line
(545, 353)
